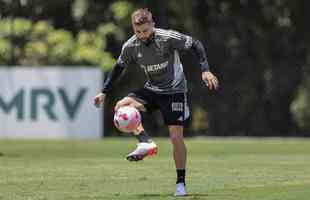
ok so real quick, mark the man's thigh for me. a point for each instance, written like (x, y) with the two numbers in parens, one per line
(174, 109)
(146, 98)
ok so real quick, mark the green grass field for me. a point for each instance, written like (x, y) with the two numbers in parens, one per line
(218, 169)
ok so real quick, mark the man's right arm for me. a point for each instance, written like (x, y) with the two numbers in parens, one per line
(112, 76)
(123, 61)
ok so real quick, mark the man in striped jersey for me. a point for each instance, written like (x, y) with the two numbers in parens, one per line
(156, 51)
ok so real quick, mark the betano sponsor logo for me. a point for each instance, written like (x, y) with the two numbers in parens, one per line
(42, 100)
(157, 67)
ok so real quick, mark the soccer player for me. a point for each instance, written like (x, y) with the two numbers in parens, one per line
(156, 51)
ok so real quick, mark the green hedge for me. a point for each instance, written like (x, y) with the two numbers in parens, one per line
(41, 44)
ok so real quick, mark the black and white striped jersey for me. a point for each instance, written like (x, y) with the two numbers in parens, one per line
(159, 59)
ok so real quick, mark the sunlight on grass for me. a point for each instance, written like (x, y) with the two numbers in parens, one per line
(231, 168)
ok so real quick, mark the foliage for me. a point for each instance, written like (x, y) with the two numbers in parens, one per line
(5, 49)
(301, 105)
(41, 44)
(121, 10)
(199, 120)
(256, 48)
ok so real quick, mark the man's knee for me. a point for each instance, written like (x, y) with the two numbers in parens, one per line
(176, 133)
(123, 102)
(129, 101)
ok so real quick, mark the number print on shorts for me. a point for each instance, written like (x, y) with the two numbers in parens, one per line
(177, 106)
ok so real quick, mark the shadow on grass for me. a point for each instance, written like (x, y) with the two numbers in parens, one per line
(190, 195)
(9, 155)
(170, 195)
(153, 195)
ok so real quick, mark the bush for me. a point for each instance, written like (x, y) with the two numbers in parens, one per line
(61, 46)
(40, 44)
(5, 51)
(300, 107)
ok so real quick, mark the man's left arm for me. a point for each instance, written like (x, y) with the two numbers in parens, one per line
(207, 76)
(181, 41)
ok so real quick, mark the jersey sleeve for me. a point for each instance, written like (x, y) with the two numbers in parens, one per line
(180, 41)
(126, 57)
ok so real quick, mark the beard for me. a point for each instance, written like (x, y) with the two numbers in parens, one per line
(147, 40)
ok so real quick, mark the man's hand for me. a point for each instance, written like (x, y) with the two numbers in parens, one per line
(99, 99)
(210, 80)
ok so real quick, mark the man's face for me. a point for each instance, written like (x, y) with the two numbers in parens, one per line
(144, 32)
